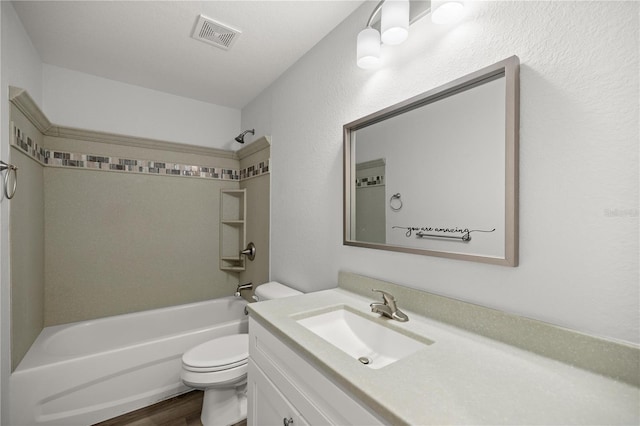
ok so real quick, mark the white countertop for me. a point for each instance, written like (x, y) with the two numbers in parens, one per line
(463, 378)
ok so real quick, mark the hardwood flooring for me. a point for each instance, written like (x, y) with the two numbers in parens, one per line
(182, 410)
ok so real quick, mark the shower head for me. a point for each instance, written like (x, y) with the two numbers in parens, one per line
(240, 137)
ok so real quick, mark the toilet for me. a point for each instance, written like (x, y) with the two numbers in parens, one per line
(219, 367)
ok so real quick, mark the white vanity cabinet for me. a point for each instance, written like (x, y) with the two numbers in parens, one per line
(285, 389)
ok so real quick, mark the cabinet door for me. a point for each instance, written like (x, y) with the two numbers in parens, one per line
(267, 406)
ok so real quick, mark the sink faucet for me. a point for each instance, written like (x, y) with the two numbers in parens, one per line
(247, 286)
(388, 307)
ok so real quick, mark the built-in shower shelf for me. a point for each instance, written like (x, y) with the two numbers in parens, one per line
(231, 264)
(233, 210)
(232, 268)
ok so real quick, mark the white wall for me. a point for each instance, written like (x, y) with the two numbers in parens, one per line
(76, 99)
(257, 115)
(579, 158)
(20, 66)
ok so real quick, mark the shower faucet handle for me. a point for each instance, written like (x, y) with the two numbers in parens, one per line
(250, 251)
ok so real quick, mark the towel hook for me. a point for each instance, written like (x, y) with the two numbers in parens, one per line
(9, 168)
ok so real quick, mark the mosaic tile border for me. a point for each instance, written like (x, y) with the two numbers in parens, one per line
(369, 181)
(84, 161)
(28, 146)
(129, 165)
(262, 168)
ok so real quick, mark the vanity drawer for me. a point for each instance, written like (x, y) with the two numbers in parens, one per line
(314, 396)
(269, 406)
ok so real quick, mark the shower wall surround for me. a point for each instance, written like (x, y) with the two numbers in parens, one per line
(254, 159)
(27, 246)
(122, 226)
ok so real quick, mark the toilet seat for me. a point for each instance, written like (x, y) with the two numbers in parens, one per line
(214, 368)
(220, 354)
(215, 379)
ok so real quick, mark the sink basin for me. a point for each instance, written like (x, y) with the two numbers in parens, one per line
(366, 339)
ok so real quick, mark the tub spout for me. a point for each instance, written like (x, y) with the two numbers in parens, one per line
(247, 286)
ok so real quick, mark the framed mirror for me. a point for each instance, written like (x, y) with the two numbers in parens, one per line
(437, 174)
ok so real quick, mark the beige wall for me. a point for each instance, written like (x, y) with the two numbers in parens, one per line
(258, 217)
(27, 246)
(371, 202)
(119, 243)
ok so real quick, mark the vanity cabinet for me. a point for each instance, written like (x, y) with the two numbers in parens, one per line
(233, 212)
(286, 389)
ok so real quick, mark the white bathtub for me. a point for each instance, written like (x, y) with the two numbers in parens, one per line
(86, 372)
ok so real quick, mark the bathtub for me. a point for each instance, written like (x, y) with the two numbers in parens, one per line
(86, 372)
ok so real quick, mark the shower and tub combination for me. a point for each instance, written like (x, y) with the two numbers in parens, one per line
(86, 372)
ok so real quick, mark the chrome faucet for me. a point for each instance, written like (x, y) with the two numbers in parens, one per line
(247, 286)
(388, 307)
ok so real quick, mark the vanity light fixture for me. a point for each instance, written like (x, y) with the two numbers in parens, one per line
(446, 12)
(368, 48)
(396, 16)
(394, 22)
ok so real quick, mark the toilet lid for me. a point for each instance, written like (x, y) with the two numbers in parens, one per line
(223, 352)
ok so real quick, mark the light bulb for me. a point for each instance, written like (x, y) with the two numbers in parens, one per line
(446, 12)
(368, 48)
(395, 21)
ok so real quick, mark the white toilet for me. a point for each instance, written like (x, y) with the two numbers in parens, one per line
(219, 367)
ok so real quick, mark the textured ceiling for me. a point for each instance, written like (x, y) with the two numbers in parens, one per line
(149, 44)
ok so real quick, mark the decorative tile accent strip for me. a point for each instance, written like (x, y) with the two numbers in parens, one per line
(67, 159)
(255, 170)
(370, 181)
(28, 146)
(129, 165)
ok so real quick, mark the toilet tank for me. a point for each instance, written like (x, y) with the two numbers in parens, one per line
(274, 290)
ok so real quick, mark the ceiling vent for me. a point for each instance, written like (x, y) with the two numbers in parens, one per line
(211, 32)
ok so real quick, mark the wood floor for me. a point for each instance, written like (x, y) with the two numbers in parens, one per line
(182, 410)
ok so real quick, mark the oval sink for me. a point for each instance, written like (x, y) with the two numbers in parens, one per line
(367, 340)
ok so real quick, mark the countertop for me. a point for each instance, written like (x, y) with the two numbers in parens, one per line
(462, 378)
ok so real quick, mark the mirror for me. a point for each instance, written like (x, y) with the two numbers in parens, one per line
(437, 174)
